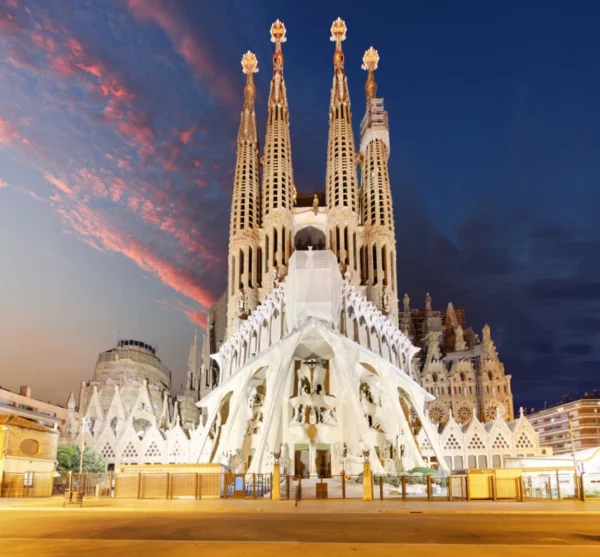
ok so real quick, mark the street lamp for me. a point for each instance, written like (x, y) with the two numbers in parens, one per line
(83, 429)
(574, 455)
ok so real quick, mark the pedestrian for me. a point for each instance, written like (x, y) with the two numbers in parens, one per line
(298, 493)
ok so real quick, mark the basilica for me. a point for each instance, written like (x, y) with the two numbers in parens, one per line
(311, 357)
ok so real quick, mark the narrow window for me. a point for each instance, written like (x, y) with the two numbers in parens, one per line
(374, 264)
(267, 254)
(250, 267)
(232, 275)
(259, 266)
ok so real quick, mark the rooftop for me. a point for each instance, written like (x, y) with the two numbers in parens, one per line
(17, 421)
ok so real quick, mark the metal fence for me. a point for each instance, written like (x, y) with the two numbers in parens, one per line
(29, 484)
(531, 486)
(590, 484)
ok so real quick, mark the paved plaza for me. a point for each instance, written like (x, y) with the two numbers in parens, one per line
(249, 528)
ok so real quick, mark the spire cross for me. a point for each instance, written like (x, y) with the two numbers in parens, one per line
(338, 34)
(249, 67)
(249, 63)
(278, 37)
(370, 63)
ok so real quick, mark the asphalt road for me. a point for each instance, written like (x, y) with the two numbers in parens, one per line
(59, 532)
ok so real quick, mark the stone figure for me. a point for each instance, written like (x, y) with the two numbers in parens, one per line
(241, 303)
(301, 413)
(312, 417)
(459, 342)
(428, 302)
(316, 204)
(275, 277)
(406, 301)
(385, 300)
(348, 275)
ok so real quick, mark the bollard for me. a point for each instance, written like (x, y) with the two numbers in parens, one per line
(449, 488)
(276, 483)
(367, 482)
(97, 491)
(404, 488)
(429, 490)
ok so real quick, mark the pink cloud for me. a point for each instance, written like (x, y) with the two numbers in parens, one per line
(186, 44)
(58, 183)
(196, 316)
(90, 225)
(186, 136)
(3, 184)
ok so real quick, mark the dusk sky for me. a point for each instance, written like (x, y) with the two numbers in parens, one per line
(118, 124)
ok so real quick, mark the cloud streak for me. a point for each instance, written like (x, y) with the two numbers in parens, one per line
(186, 44)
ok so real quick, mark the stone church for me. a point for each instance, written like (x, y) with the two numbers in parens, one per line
(307, 356)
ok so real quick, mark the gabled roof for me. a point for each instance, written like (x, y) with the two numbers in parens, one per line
(17, 421)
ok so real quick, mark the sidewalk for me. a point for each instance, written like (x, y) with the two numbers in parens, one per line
(306, 506)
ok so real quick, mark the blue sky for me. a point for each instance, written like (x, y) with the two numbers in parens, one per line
(118, 121)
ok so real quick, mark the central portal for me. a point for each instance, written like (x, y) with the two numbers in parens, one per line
(302, 461)
(323, 461)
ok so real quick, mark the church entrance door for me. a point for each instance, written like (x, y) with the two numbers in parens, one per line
(323, 461)
(239, 491)
(302, 461)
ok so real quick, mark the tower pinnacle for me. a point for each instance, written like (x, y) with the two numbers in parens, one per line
(245, 203)
(380, 273)
(278, 37)
(370, 63)
(338, 34)
(278, 178)
(340, 177)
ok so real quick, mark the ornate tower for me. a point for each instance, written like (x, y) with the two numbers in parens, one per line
(341, 180)
(244, 239)
(379, 240)
(187, 399)
(278, 177)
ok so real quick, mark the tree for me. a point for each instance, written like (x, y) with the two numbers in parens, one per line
(64, 456)
(68, 459)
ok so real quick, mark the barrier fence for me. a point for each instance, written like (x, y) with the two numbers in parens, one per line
(559, 485)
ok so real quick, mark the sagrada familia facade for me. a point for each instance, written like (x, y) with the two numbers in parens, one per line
(308, 356)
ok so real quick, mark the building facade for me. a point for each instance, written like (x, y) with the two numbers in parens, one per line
(462, 372)
(307, 357)
(44, 413)
(27, 457)
(552, 424)
(128, 399)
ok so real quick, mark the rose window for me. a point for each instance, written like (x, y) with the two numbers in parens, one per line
(436, 414)
(463, 414)
(490, 412)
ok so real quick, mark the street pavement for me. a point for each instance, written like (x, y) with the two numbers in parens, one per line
(293, 532)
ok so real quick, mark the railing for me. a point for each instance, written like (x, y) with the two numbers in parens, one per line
(555, 485)
(38, 484)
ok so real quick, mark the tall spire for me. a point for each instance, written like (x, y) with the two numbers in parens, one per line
(341, 180)
(370, 63)
(245, 203)
(278, 179)
(377, 214)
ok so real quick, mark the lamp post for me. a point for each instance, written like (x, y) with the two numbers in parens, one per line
(83, 428)
(574, 455)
